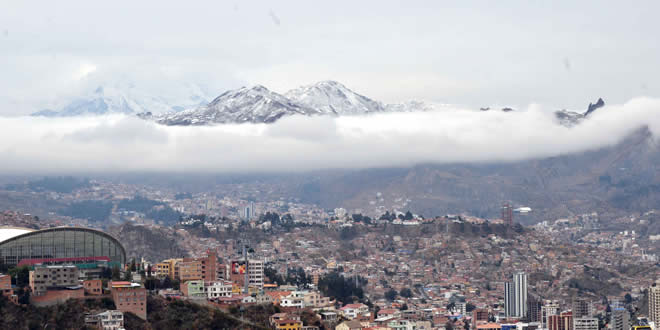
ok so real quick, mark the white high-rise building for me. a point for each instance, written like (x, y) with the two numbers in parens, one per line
(249, 211)
(520, 294)
(515, 296)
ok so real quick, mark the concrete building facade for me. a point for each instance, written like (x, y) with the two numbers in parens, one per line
(44, 278)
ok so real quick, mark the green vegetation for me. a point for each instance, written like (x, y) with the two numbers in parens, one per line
(20, 276)
(152, 209)
(165, 214)
(390, 294)
(138, 204)
(297, 276)
(178, 314)
(343, 289)
(92, 210)
(62, 184)
(161, 314)
(68, 315)
(181, 196)
(406, 293)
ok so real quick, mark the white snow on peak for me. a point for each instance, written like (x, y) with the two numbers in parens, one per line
(331, 97)
(256, 104)
(126, 98)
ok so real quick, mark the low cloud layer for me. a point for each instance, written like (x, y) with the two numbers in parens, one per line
(124, 144)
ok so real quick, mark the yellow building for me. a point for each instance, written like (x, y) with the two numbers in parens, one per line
(288, 325)
(168, 267)
(236, 289)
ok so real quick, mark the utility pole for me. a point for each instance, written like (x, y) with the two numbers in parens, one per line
(245, 290)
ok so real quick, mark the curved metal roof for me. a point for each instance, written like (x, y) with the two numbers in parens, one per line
(13, 233)
(7, 233)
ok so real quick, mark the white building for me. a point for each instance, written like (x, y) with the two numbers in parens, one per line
(520, 294)
(256, 273)
(108, 320)
(585, 323)
(294, 299)
(352, 311)
(549, 308)
(217, 289)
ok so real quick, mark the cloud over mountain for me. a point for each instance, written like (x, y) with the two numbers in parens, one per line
(123, 143)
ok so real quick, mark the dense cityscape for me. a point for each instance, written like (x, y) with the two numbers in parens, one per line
(330, 165)
(318, 268)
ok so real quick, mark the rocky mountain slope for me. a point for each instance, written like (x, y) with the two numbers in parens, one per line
(612, 181)
(572, 118)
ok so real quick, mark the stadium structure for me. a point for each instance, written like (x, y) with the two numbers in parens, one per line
(60, 245)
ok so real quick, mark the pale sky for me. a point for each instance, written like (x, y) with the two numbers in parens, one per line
(561, 54)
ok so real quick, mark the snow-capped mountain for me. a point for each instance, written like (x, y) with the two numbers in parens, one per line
(125, 99)
(331, 97)
(244, 105)
(260, 105)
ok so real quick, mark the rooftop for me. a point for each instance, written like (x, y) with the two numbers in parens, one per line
(11, 232)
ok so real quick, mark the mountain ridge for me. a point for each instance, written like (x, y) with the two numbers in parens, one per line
(124, 98)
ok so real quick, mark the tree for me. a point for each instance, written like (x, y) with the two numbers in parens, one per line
(128, 276)
(106, 273)
(408, 216)
(115, 273)
(343, 289)
(628, 298)
(406, 293)
(24, 297)
(20, 276)
(390, 294)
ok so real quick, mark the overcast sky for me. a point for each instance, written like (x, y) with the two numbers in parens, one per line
(558, 53)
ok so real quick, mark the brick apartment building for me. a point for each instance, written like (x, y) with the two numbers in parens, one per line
(564, 321)
(130, 297)
(5, 288)
(199, 268)
(5, 285)
(93, 287)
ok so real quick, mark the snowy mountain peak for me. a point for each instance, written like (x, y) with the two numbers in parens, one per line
(256, 104)
(331, 97)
